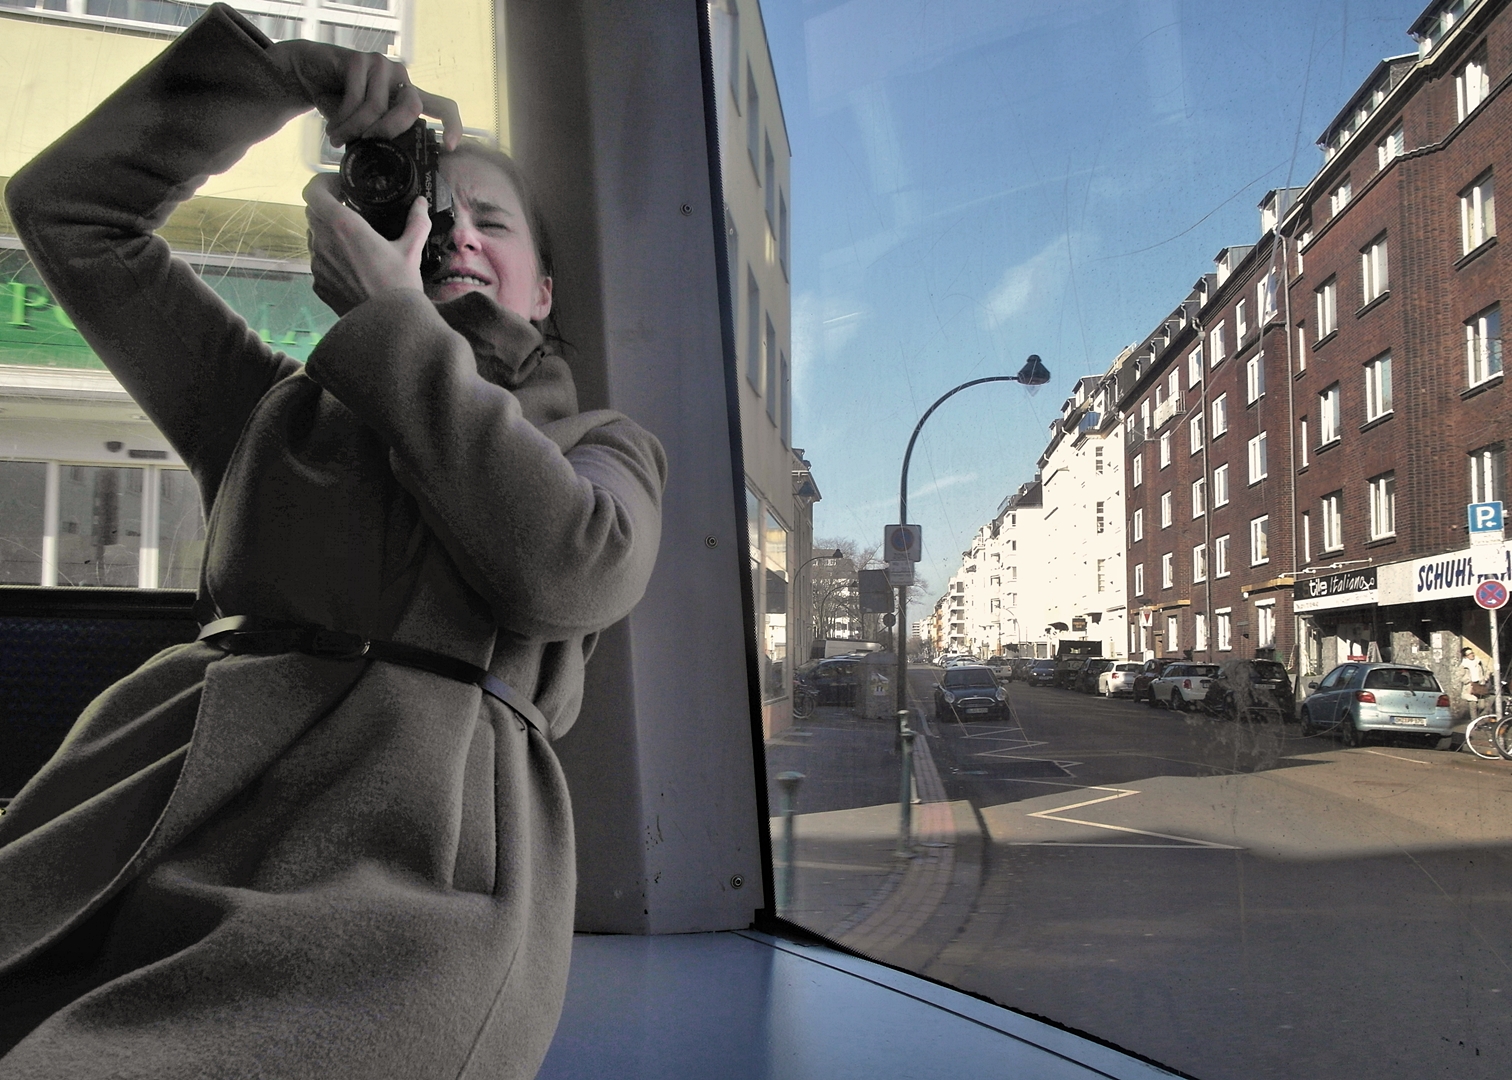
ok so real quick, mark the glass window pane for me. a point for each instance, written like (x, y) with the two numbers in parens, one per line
(23, 490)
(181, 530)
(99, 526)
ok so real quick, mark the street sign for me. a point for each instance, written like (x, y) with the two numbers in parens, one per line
(903, 542)
(876, 591)
(1491, 595)
(1485, 520)
(900, 572)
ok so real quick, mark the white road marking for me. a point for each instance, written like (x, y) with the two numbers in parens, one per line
(1396, 757)
(1118, 793)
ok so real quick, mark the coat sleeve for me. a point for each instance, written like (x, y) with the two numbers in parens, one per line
(557, 529)
(86, 209)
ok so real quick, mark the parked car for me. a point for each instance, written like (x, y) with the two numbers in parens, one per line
(833, 681)
(1119, 679)
(1149, 671)
(997, 663)
(1252, 689)
(1182, 686)
(1067, 668)
(1042, 673)
(1086, 679)
(970, 692)
(1018, 668)
(1357, 699)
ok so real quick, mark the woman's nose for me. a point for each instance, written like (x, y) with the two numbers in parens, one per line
(462, 238)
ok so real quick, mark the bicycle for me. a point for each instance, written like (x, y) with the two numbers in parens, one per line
(1490, 737)
(804, 702)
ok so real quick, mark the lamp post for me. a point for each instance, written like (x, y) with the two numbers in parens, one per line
(798, 574)
(1033, 373)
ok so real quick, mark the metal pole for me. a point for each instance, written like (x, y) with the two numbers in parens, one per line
(789, 782)
(1496, 677)
(905, 787)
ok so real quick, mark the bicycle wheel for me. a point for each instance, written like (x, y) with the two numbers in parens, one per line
(1503, 737)
(803, 704)
(1480, 737)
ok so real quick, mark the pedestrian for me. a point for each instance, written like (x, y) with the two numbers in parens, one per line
(330, 839)
(1474, 687)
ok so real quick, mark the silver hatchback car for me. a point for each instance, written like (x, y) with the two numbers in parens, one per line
(1360, 698)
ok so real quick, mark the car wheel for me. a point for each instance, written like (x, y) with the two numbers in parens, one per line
(1348, 733)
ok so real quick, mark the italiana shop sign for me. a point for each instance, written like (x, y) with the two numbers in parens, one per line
(1352, 588)
(1440, 577)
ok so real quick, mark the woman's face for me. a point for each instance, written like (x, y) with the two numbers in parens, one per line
(490, 249)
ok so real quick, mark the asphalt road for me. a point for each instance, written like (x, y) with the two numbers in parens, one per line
(1231, 900)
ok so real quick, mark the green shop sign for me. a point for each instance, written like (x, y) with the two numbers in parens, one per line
(34, 331)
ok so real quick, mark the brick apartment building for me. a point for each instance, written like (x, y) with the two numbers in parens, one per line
(1308, 426)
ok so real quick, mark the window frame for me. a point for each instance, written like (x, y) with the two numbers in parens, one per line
(1375, 270)
(1199, 497)
(1331, 511)
(1330, 420)
(1259, 458)
(1381, 492)
(1378, 388)
(1221, 489)
(1327, 295)
(1220, 415)
(1259, 531)
(1483, 351)
(1221, 546)
(1477, 212)
(1199, 563)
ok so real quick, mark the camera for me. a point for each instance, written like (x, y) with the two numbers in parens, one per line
(382, 178)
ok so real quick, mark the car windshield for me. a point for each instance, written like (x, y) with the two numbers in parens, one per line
(1401, 679)
(1268, 669)
(970, 677)
(1128, 667)
(1207, 671)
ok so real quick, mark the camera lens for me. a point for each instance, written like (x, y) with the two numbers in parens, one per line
(375, 175)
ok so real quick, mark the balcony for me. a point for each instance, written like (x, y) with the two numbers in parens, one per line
(1167, 409)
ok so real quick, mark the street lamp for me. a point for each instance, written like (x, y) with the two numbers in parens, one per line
(797, 574)
(1033, 373)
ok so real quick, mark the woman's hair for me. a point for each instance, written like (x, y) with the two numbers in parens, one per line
(540, 236)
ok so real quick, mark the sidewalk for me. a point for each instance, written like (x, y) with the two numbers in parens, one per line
(850, 885)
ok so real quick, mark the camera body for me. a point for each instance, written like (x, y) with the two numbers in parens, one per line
(382, 178)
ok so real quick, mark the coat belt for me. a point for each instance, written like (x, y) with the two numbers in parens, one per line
(242, 634)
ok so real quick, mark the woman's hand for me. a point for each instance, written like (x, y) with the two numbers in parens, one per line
(362, 95)
(349, 260)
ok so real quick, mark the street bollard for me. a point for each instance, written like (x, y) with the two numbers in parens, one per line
(905, 793)
(789, 782)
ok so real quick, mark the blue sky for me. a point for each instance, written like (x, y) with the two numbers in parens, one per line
(976, 180)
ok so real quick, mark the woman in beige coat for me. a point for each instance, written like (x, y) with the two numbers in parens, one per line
(273, 856)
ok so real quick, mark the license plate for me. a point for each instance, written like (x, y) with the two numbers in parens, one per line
(975, 711)
(1411, 721)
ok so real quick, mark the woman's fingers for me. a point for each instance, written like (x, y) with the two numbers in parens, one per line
(445, 110)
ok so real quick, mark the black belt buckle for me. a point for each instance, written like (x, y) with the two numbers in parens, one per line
(337, 645)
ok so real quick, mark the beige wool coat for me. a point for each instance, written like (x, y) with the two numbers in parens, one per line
(284, 866)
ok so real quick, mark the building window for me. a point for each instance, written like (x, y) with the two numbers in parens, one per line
(1472, 83)
(1477, 213)
(1220, 415)
(1215, 346)
(1199, 632)
(753, 122)
(1332, 512)
(1144, 417)
(1199, 563)
(782, 231)
(1165, 510)
(1221, 485)
(1374, 275)
(1167, 570)
(1306, 536)
(1194, 434)
(1173, 634)
(1097, 460)
(787, 400)
(1165, 449)
(1483, 345)
(1378, 388)
(1303, 442)
(772, 386)
(1138, 468)
(1199, 497)
(1488, 470)
(1137, 528)
(1383, 506)
(770, 161)
(1194, 366)
(1339, 198)
(1101, 574)
(1301, 346)
(1241, 321)
(1254, 378)
(1265, 625)
(1221, 556)
(1099, 517)
(1173, 383)
(1260, 540)
(1258, 463)
(1328, 416)
(1266, 297)
(1139, 579)
(1328, 307)
(1390, 148)
(1225, 631)
(755, 364)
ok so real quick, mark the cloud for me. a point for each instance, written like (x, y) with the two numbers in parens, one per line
(915, 493)
(1035, 282)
